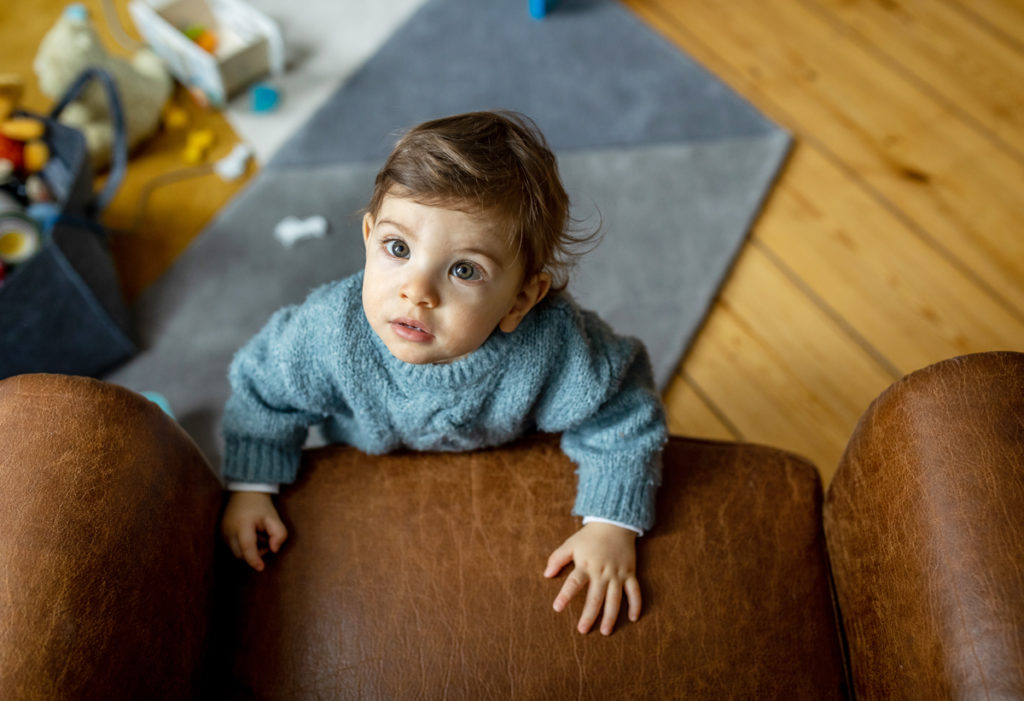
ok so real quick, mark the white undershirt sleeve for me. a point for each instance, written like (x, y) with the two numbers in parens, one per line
(265, 487)
(598, 519)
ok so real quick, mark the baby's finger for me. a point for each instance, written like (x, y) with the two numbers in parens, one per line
(591, 610)
(277, 533)
(611, 608)
(573, 583)
(250, 550)
(633, 596)
(558, 559)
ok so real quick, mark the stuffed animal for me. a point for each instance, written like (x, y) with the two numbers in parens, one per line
(144, 84)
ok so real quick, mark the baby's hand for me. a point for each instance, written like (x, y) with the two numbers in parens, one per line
(605, 557)
(247, 516)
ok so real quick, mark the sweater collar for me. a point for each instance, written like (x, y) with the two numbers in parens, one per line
(467, 370)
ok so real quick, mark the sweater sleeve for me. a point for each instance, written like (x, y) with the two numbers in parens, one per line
(603, 400)
(278, 388)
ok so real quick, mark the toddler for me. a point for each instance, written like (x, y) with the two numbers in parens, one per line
(457, 335)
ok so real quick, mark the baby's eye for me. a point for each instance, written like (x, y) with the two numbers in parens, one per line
(465, 271)
(397, 248)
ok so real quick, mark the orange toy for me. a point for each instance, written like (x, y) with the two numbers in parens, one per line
(20, 137)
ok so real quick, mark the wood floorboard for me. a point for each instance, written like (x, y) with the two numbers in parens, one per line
(695, 415)
(896, 295)
(1002, 19)
(954, 61)
(959, 191)
(892, 239)
(779, 368)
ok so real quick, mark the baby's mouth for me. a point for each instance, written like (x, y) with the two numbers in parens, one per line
(411, 330)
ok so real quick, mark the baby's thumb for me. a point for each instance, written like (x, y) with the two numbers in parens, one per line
(559, 559)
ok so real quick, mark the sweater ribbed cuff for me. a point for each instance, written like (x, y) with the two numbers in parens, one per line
(626, 502)
(247, 460)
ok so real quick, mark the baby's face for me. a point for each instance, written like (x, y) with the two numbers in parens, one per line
(437, 282)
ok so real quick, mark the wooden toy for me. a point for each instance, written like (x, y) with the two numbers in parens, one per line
(19, 239)
(175, 117)
(197, 146)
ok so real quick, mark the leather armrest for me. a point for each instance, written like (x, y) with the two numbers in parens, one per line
(107, 530)
(925, 528)
(420, 576)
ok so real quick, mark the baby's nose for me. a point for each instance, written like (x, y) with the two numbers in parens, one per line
(420, 291)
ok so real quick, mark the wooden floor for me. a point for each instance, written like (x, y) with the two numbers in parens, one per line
(895, 236)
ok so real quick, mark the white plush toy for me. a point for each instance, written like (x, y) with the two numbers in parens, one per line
(144, 84)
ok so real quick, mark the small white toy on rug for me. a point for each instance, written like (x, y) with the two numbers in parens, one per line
(144, 84)
(292, 229)
(233, 165)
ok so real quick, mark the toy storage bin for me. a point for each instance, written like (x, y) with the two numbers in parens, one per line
(62, 310)
(250, 44)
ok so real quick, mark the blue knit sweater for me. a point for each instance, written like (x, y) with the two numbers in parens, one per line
(562, 371)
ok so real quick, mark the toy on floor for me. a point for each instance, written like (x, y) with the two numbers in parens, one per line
(202, 36)
(19, 239)
(540, 8)
(197, 145)
(23, 153)
(175, 117)
(36, 189)
(144, 84)
(22, 149)
(264, 97)
(213, 48)
(233, 165)
(160, 400)
(290, 230)
(12, 155)
(25, 134)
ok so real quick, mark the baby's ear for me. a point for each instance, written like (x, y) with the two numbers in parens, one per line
(532, 292)
(367, 227)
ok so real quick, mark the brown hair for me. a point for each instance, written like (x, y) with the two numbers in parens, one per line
(493, 164)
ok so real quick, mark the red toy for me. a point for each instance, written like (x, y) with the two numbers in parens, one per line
(13, 151)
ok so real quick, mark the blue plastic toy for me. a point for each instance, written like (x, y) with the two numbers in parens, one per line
(540, 8)
(264, 97)
(160, 400)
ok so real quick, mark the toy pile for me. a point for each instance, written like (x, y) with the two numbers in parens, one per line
(72, 45)
(27, 209)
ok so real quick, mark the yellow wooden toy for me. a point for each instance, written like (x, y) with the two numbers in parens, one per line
(19, 239)
(22, 128)
(37, 153)
(23, 147)
(198, 145)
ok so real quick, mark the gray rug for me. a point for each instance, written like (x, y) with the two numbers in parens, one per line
(673, 162)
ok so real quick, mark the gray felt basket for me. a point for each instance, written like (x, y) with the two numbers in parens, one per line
(62, 310)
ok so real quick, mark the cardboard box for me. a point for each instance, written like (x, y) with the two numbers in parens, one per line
(249, 44)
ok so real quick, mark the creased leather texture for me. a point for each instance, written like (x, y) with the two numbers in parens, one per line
(107, 531)
(925, 525)
(419, 576)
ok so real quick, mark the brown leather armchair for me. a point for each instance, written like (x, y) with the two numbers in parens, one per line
(419, 575)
